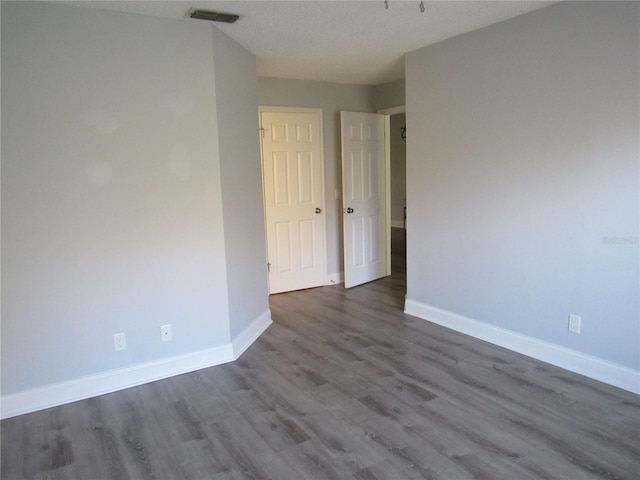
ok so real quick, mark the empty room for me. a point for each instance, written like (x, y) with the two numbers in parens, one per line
(374, 240)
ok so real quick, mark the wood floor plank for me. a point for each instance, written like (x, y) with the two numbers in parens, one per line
(13, 430)
(278, 428)
(310, 460)
(97, 452)
(250, 455)
(384, 470)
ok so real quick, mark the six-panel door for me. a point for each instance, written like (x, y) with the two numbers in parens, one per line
(363, 187)
(292, 169)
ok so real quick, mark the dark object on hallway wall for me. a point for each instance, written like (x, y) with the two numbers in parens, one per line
(213, 16)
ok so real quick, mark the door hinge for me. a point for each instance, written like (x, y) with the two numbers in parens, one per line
(268, 267)
(261, 130)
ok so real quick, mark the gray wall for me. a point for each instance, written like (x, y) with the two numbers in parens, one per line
(523, 173)
(112, 203)
(244, 230)
(398, 169)
(390, 94)
(331, 98)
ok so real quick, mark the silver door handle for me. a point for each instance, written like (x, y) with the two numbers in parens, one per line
(318, 210)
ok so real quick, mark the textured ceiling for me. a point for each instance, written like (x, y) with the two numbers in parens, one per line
(357, 42)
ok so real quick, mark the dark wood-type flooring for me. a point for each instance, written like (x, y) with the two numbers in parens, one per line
(343, 385)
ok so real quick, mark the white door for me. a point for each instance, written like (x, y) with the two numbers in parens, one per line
(293, 190)
(364, 197)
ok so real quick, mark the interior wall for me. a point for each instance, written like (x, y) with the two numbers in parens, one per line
(522, 175)
(112, 215)
(391, 94)
(244, 230)
(331, 98)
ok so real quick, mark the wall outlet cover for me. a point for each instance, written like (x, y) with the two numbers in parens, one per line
(574, 323)
(165, 333)
(120, 341)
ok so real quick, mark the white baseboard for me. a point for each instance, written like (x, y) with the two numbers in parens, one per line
(100, 384)
(250, 334)
(335, 278)
(572, 360)
(82, 388)
(397, 223)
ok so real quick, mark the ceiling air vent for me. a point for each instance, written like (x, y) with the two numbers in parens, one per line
(213, 16)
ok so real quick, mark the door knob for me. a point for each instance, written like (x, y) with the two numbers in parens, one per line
(318, 210)
(349, 210)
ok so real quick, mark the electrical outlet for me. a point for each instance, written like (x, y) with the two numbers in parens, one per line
(574, 323)
(165, 333)
(120, 341)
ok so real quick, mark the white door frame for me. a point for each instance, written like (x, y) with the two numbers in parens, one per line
(318, 112)
(387, 112)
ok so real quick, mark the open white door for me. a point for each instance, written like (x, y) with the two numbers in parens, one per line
(364, 197)
(293, 190)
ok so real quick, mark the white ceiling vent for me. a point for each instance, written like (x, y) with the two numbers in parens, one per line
(213, 16)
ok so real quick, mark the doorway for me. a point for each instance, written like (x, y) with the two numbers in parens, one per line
(397, 154)
(291, 266)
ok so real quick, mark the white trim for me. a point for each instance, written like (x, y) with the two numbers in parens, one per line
(108, 382)
(335, 278)
(82, 388)
(393, 110)
(275, 109)
(572, 360)
(250, 334)
(387, 189)
(397, 223)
